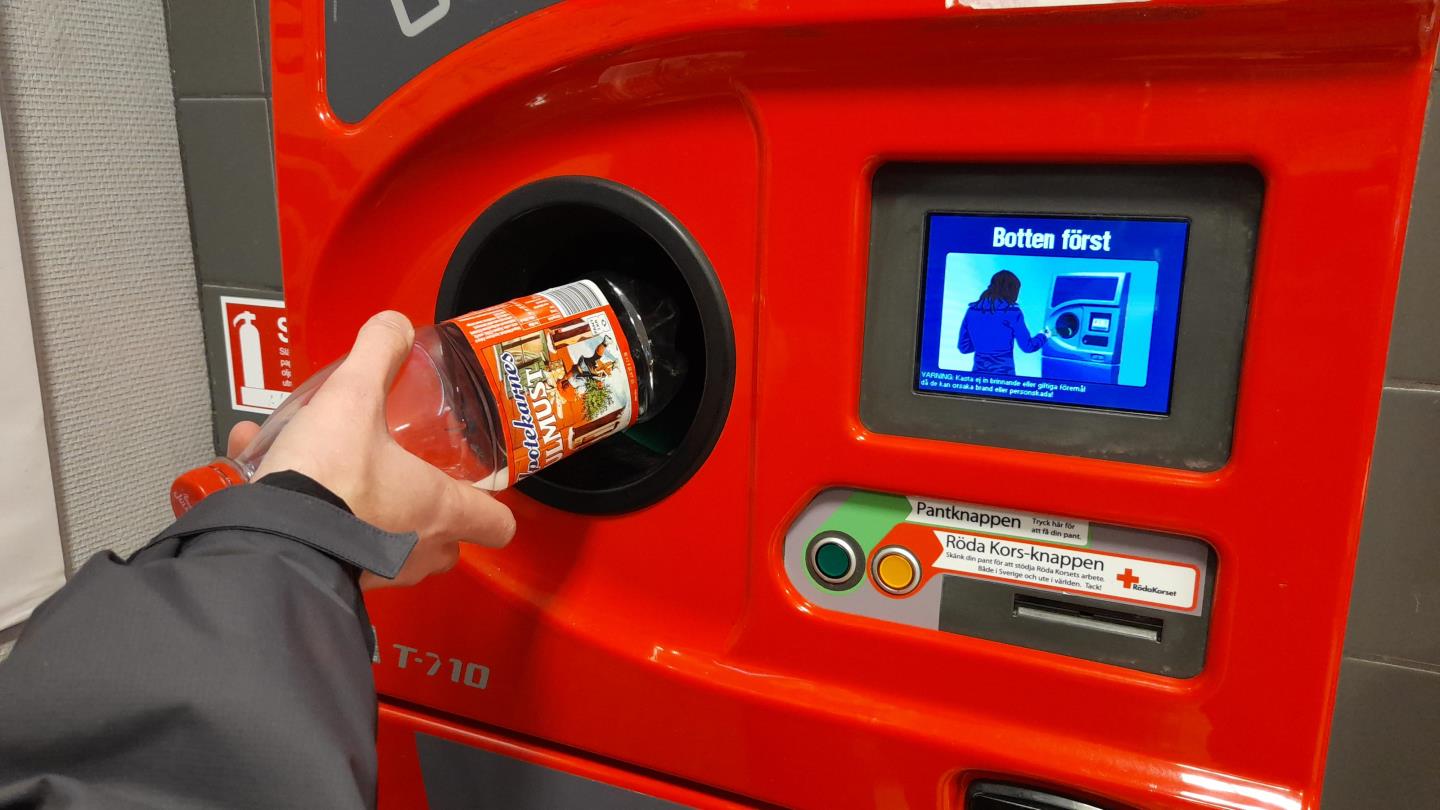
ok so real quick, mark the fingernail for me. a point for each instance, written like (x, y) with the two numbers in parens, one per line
(397, 320)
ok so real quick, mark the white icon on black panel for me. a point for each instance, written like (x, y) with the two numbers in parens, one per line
(414, 26)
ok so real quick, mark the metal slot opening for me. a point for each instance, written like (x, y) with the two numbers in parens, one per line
(1114, 622)
(999, 796)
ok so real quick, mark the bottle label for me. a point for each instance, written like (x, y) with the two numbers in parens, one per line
(561, 371)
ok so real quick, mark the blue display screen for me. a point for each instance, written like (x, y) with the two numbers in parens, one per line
(1058, 310)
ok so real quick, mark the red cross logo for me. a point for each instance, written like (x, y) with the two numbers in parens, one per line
(1128, 578)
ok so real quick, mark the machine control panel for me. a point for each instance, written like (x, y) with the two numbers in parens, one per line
(1112, 594)
(1086, 311)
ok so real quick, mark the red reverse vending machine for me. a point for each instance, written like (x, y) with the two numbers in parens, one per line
(1016, 465)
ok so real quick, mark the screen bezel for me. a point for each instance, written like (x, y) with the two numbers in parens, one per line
(1222, 204)
(922, 313)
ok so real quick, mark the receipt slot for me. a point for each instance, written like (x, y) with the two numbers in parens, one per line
(1087, 327)
(939, 521)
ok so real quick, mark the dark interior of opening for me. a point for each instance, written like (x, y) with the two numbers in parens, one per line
(510, 254)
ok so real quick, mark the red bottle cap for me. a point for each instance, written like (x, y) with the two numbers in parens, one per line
(193, 486)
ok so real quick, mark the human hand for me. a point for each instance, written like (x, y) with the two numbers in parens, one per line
(339, 438)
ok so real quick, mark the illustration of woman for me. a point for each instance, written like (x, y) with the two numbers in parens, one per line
(994, 326)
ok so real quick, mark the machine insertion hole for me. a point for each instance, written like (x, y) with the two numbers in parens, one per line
(1067, 325)
(559, 230)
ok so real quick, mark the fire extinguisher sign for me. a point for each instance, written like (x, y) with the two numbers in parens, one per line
(257, 353)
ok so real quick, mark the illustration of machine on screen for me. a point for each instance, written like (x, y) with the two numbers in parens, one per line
(1087, 327)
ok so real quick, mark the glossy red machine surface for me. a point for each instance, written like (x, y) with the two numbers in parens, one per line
(664, 646)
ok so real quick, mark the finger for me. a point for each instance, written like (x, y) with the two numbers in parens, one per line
(475, 517)
(380, 349)
(240, 437)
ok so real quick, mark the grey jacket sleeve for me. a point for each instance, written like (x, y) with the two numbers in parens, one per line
(226, 664)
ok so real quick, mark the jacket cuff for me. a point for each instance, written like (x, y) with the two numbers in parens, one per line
(305, 485)
(299, 517)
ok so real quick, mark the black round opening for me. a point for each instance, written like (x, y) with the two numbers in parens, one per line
(562, 229)
(1067, 325)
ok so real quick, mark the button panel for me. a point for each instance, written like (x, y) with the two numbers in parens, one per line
(1114, 594)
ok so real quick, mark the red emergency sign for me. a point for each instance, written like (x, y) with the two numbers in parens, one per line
(257, 353)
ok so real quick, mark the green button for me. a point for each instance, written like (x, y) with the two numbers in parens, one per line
(833, 561)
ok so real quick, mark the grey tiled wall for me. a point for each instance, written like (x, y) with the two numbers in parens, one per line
(220, 58)
(1385, 736)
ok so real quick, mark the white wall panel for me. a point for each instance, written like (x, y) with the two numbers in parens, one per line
(90, 125)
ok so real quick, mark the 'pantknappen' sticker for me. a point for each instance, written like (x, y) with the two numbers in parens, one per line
(1004, 522)
(1101, 574)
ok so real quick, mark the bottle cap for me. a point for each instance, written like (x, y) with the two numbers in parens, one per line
(193, 486)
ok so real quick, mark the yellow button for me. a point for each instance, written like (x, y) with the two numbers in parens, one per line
(895, 571)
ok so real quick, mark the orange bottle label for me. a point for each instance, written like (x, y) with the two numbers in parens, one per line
(560, 369)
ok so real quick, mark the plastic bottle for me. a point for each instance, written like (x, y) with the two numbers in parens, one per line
(499, 394)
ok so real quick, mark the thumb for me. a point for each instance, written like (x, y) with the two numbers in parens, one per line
(475, 517)
(380, 349)
(240, 437)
